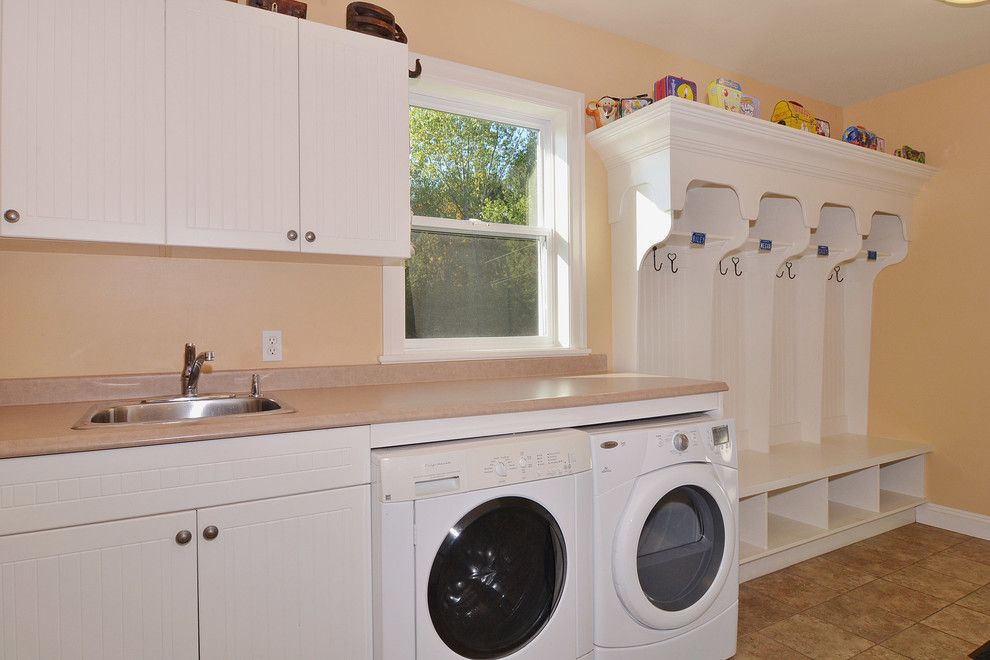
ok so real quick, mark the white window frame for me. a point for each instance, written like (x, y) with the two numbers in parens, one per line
(559, 115)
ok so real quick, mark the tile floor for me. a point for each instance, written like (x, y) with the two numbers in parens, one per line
(914, 592)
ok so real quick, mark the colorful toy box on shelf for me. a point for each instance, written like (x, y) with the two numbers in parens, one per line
(674, 86)
(603, 111)
(793, 114)
(822, 127)
(725, 94)
(864, 138)
(910, 154)
(749, 105)
(631, 105)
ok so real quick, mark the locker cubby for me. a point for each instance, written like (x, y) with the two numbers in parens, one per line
(787, 328)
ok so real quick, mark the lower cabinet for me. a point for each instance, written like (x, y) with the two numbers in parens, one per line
(287, 577)
(119, 590)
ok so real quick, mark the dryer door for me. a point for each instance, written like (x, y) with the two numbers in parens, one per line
(674, 545)
(497, 578)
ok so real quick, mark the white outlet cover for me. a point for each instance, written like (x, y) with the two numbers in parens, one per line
(271, 345)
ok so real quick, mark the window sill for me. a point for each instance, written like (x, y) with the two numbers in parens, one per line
(481, 354)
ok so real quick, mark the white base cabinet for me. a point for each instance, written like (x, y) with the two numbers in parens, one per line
(288, 577)
(287, 573)
(120, 590)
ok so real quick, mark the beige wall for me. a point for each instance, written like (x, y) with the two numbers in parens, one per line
(930, 361)
(75, 309)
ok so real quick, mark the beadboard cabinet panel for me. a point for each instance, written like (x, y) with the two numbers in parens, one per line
(82, 119)
(232, 127)
(121, 590)
(288, 577)
(354, 147)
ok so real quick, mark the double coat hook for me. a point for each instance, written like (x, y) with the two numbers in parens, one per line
(671, 257)
(787, 265)
(735, 267)
(835, 273)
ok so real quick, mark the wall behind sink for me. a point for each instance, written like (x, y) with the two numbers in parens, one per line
(78, 309)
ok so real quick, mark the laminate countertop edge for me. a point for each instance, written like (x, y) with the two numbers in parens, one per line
(43, 429)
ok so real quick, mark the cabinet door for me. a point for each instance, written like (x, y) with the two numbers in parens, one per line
(232, 126)
(82, 147)
(288, 577)
(123, 590)
(354, 127)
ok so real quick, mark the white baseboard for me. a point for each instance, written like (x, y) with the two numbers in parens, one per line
(955, 520)
(785, 558)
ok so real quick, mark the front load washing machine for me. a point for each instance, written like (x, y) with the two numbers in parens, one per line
(482, 549)
(666, 543)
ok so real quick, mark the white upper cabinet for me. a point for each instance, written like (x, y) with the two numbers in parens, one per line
(232, 128)
(82, 120)
(354, 147)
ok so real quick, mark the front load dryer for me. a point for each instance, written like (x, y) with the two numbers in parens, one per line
(666, 543)
(482, 549)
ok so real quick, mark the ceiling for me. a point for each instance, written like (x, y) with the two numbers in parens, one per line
(840, 51)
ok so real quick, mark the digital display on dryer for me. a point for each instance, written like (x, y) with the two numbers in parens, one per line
(720, 435)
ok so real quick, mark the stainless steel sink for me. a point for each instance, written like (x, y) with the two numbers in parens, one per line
(180, 409)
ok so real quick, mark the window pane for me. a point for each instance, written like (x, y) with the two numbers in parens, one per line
(472, 286)
(469, 168)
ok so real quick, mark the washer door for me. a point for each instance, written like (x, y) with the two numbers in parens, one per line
(497, 578)
(674, 545)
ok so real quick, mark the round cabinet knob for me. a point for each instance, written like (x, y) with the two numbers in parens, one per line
(292, 235)
(310, 237)
(211, 532)
(183, 537)
(500, 469)
(11, 216)
(680, 441)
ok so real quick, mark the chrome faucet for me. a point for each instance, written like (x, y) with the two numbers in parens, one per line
(192, 368)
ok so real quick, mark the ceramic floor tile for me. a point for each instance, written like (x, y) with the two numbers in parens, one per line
(793, 590)
(961, 622)
(957, 566)
(758, 610)
(898, 600)
(979, 600)
(923, 643)
(816, 638)
(973, 550)
(899, 548)
(928, 536)
(757, 646)
(830, 573)
(869, 559)
(879, 653)
(858, 616)
(932, 583)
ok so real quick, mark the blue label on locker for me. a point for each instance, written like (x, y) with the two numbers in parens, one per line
(697, 238)
(765, 245)
(871, 255)
(822, 250)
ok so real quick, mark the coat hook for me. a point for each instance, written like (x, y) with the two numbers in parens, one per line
(723, 272)
(655, 266)
(735, 266)
(418, 71)
(838, 278)
(788, 265)
(672, 257)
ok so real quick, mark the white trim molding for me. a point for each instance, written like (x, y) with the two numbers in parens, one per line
(559, 115)
(955, 520)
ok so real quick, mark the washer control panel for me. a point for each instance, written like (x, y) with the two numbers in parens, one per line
(431, 470)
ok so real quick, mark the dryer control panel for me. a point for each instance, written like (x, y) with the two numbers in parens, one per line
(431, 470)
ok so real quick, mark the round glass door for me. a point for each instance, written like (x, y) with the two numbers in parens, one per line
(497, 578)
(680, 548)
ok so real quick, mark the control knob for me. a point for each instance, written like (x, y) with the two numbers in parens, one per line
(500, 468)
(680, 441)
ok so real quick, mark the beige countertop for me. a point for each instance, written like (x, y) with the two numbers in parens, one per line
(32, 430)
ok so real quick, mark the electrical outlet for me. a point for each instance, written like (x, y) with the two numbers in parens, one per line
(271, 345)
